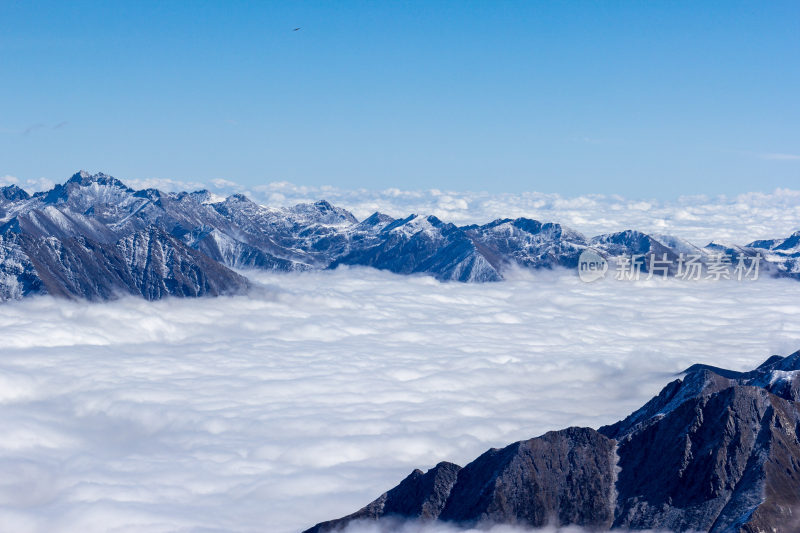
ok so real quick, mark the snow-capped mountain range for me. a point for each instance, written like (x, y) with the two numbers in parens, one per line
(93, 237)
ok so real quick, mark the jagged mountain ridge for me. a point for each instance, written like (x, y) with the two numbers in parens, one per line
(716, 451)
(101, 213)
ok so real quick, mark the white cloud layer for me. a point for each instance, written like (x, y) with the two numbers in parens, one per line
(305, 401)
(30, 185)
(8, 179)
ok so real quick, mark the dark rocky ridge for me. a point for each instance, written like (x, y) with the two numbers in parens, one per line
(716, 451)
(75, 240)
(421, 495)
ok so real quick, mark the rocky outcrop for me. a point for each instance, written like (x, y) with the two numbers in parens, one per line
(716, 451)
(785, 253)
(419, 495)
(425, 245)
(149, 263)
(565, 477)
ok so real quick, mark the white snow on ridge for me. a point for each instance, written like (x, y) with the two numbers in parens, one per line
(417, 224)
(699, 219)
(741, 218)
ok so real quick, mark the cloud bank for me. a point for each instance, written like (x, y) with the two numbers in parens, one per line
(310, 397)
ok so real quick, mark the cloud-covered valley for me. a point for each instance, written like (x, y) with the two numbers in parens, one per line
(311, 396)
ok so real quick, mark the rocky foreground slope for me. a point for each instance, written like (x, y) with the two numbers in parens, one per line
(93, 237)
(716, 451)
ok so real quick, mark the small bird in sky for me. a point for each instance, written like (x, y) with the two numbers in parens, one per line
(295, 29)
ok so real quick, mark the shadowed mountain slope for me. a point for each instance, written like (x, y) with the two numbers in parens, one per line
(716, 451)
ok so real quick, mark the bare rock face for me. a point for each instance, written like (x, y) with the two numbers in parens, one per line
(700, 467)
(563, 477)
(149, 263)
(419, 495)
(18, 277)
(717, 451)
(12, 193)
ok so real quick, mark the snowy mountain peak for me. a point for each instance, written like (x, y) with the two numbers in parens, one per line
(376, 220)
(151, 194)
(238, 198)
(82, 191)
(528, 224)
(414, 224)
(12, 193)
(621, 242)
(322, 212)
(323, 206)
(204, 196)
(786, 246)
(80, 175)
(84, 179)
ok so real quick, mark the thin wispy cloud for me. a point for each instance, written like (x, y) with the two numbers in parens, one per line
(33, 127)
(35, 184)
(600, 140)
(8, 179)
(39, 126)
(774, 156)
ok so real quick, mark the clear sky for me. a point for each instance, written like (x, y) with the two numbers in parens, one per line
(645, 99)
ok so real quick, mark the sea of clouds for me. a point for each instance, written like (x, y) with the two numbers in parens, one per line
(306, 399)
(740, 218)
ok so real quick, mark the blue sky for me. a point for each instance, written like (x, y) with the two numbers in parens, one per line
(643, 99)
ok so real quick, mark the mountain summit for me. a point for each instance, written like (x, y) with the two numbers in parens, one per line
(716, 451)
